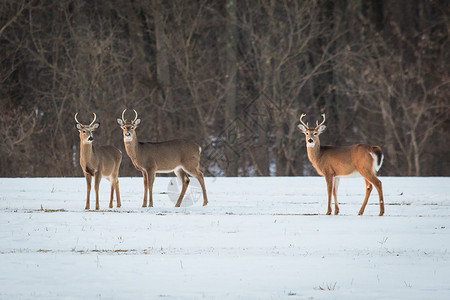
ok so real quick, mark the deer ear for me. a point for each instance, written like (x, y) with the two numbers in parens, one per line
(137, 122)
(302, 128)
(79, 126)
(321, 129)
(96, 125)
(120, 122)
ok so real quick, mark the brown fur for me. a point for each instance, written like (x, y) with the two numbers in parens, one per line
(102, 162)
(333, 161)
(179, 156)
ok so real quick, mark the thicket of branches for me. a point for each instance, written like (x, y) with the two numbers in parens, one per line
(232, 75)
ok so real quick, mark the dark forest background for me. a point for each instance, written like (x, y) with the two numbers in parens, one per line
(232, 75)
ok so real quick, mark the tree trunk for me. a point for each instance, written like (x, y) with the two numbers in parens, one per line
(231, 76)
(389, 138)
(162, 65)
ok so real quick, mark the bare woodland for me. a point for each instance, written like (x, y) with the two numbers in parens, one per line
(233, 76)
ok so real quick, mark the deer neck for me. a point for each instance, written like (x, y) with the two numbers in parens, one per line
(88, 158)
(132, 148)
(314, 155)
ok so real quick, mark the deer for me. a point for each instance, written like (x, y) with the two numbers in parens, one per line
(334, 162)
(103, 161)
(179, 156)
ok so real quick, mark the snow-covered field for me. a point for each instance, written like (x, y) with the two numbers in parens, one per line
(258, 238)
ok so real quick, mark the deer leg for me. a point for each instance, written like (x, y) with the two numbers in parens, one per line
(329, 180)
(201, 179)
(116, 185)
(97, 178)
(88, 185)
(182, 175)
(366, 199)
(335, 189)
(199, 175)
(112, 194)
(372, 179)
(377, 183)
(151, 179)
(144, 174)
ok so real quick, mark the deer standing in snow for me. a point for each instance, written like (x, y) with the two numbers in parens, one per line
(103, 161)
(334, 162)
(179, 156)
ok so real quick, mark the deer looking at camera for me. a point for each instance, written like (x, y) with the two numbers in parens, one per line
(103, 161)
(179, 156)
(334, 162)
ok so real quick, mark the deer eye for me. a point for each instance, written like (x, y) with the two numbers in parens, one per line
(307, 133)
(315, 133)
(84, 131)
(132, 127)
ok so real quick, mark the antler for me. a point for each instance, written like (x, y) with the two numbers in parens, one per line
(123, 116)
(317, 122)
(95, 118)
(306, 125)
(77, 119)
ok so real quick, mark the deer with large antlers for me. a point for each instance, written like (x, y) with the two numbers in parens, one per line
(334, 162)
(179, 156)
(103, 161)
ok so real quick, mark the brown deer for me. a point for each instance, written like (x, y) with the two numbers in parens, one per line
(334, 162)
(179, 156)
(103, 161)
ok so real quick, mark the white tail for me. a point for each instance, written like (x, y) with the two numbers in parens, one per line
(179, 156)
(334, 162)
(103, 161)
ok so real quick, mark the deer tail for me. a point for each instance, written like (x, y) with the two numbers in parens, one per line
(378, 157)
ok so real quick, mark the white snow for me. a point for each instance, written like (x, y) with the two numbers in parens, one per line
(258, 238)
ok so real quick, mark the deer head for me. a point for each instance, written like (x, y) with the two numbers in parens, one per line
(129, 130)
(86, 131)
(312, 134)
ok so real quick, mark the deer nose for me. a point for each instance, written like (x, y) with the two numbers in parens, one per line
(127, 133)
(90, 139)
(310, 140)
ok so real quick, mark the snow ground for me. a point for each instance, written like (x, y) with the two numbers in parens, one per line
(258, 238)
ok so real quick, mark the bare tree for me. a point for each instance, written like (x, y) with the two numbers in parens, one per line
(231, 75)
